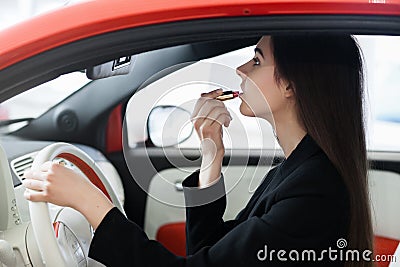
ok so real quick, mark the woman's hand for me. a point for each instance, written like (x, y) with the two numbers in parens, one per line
(62, 186)
(208, 117)
(56, 184)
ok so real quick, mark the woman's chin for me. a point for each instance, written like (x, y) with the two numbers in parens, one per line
(245, 110)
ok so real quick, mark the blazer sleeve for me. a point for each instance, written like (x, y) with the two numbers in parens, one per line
(301, 218)
(205, 208)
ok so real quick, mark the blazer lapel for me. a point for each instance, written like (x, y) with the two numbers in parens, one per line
(304, 150)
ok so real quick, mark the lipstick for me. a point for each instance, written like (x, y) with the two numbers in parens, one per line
(227, 95)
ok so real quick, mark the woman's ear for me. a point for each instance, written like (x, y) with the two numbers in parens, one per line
(289, 90)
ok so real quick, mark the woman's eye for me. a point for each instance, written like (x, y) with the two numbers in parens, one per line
(256, 61)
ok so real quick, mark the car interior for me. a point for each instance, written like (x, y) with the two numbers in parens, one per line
(108, 120)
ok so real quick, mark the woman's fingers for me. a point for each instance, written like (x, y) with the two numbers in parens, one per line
(46, 166)
(208, 117)
(224, 119)
(211, 115)
(199, 105)
(56, 184)
(34, 184)
(34, 175)
(39, 174)
(213, 94)
(218, 115)
(35, 196)
(203, 99)
(211, 109)
(207, 105)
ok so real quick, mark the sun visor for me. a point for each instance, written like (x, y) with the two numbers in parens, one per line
(120, 66)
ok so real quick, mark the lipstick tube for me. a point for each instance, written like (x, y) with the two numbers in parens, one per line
(228, 95)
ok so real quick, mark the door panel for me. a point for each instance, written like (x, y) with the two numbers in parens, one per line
(165, 201)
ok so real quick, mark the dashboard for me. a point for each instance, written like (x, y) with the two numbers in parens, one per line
(21, 153)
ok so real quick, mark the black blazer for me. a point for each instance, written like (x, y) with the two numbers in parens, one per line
(299, 210)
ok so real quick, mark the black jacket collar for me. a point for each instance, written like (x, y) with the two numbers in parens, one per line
(305, 149)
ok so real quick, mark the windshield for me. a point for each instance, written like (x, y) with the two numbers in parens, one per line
(38, 100)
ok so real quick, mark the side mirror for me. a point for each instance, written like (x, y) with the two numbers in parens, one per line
(169, 125)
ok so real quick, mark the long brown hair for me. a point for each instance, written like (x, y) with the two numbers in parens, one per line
(326, 73)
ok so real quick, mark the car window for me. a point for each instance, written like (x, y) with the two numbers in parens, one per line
(382, 62)
(183, 88)
(36, 101)
(382, 81)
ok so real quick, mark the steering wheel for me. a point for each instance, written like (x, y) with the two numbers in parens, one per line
(45, 235)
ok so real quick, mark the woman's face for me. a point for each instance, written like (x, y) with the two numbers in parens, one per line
(262, 96)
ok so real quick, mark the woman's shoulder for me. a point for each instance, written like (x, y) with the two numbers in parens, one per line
(309, 168)
(316, 174)
(319, 164)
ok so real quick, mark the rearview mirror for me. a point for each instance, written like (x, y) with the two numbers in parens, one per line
(169, 125)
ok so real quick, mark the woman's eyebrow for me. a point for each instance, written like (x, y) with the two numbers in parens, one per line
(259, 51)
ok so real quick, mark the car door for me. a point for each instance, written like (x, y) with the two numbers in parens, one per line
(251, 149)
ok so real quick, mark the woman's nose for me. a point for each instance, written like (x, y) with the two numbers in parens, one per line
(241, 71)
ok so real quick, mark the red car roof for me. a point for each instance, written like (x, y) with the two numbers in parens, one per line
(91, 18)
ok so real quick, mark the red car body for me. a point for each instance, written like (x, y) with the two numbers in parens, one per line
(92, 18)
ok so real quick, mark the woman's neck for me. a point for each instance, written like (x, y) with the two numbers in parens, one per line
(289, 134)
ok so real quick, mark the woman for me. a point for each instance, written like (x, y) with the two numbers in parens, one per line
(309, 87)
